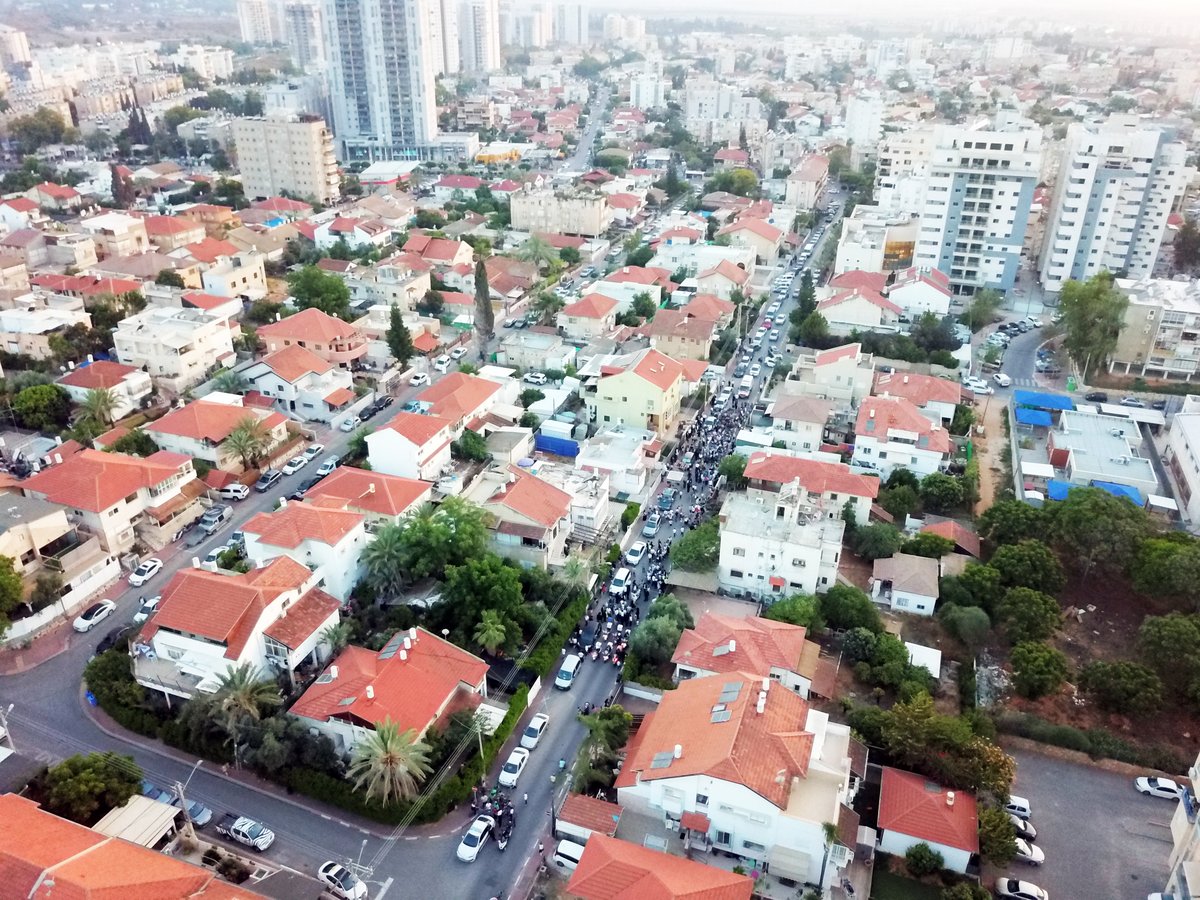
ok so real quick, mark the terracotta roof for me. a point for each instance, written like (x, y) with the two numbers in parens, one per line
(425, 342)
(857, 278)
(303, 618)
(825, 357)
(281, 204)
(457, 395)
(747, 748)
(758, 226)
(731, 154)
(209, 249)
(964, 538)
(298, 522)
(591, 306)
(811, 168)
(935, 278)
(164, 225)
(371, 492)
(204, 419)
(759, 645)
(878, 415)
(638, 275)
(658, 369)
(815, 475)
(457, 298)
(872, 297)
(736, 274)
(419, 429)
(409, 686)
(691, 234)
(612, 869)
(293, 362)
(96, 481)
(201, 300)
(912, 805)
(224, 608)
(20, 204)
(918, 389)
(678, 323)
(531, 497)
(441, 250)
(57, 191)
(339, 397)
(592, 813)
(793, 406)
(459, 182)
(100, 374)
(624, 201)
(693, 369)
(310, 325)
(23, 237)
(709, 306)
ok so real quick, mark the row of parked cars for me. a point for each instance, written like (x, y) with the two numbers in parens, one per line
(1020, 812)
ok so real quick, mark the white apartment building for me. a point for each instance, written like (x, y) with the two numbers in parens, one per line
(1117, 185)
(254, 20)
(443, 34)
(624, 28)
(875, 240)
(711, 106)
(892, 433)
(1161, 333)
(902, 159)
(978, 195)
(647, 92)
(293, 154)
(840, 373)
(574, 211)
(864, 123)
(1184, 864)
(178, 347)
(206, 61)
(479, 35)
(302, 34)
(381, 78)
(14, 47)
(1183, 458)
(571, 24)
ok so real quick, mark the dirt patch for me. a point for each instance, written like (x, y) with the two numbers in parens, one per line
(854, 570)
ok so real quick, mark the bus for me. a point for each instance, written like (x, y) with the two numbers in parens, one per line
(745, 387)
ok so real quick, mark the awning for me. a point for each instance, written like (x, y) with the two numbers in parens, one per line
(1121, 490)
(694, 821)
(340, 397)
(1026, 416)
(1041, 400)
(776, 581)
(789, 863)
(1037, 470)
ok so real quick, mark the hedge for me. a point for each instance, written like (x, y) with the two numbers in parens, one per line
(549, 649)
(1097, 743)
(630, 513)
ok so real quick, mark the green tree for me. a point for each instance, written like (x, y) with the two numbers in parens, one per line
(1187, 246)
(1168, 645)
(169, 278)
(1122, 687)
(928, 544)
(970, 624)
(982, 309)
(1168, 567)
(399, 339)
(967, 890)
(135, 443)
(1096, 529)
(940, 492)
(859, 644)
(530, 396)
(485, 316)
(229, 382)
(1029, 564)
(539, 251)
(983, 584)
(1010, 521)
(872, 542)
(699, 549)
(245, 693)
(40, 128)
(80, 787)
(921, 860)
(383, 561)
(314, 288)
(569, 255)
(798, 609)
(547, 305)
(42, 407)
(668, 606)
(640, 256)
(997, 836)
(490, 633)
(814, 331)
(248, 440)
(1038, 669)
(337, 637)
(733, 467)
(1093, 313)
(643, 306)
(845, 606)
(100, 405)
(900, 501)
(11, 592)
(654, 640)
(388, 764)
(1028, 615)
(483, 583)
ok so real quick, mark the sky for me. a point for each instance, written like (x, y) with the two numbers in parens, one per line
(1166, 9)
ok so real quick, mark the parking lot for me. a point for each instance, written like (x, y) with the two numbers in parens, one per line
(1101, 838)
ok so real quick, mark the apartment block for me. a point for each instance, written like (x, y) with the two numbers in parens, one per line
(287, 154)
(1161, 334)
(178, 347)
(875, 240)
(561, 212)
(302, 33)
(1117, 185)
(254, 20)
(571, 24)
(479, 35)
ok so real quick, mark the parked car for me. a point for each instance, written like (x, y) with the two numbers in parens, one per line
(1160, 405)
(294, 465)
(1019, 807)
(419, 379)
(114, 638)
(1153, 786)
(1096, 397)
(305, 486)
(246, 831)
(341, 882)
(477, 835)
(328, 466)
(651, 525)
(214, 517)
(148, 607)
(1133, 401)
(143, 573)
(1001, 379)
(620, 581)
(1019, 890)
(1031, 854)
(215, 554)
(1024, 828)
(666, 499)
(458, 352)
(267, 480)
(94, 615)
(755, 370)
(350, 423)
(510, 774)
(538, 378)
(534, 730)
(312, 451)
(235, 491)
(636, 551)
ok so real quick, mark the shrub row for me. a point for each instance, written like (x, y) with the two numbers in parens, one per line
(549, 649)
(1097, 743)
(630, 513)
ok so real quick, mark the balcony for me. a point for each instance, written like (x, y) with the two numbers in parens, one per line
(71, 554)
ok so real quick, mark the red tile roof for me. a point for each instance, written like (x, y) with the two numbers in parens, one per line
(918, 389)
(875, 299)
(734, 273)
(613, 869)
(748, 749)
(57, 191)
(857, 278)
(303, 618)
(370, 492)
(658, 369)
(815, 475)
(964, 538)
(935, 278)
(639, 275)
(709, 306)
(100, 374)
(592, 306)
(339, 397)
(878, 415)
(281, 204)
(86, 285)
(95, 481)
(759, 645)
(164, 225)
(730, 154)
(419, 429)
(912, 805)
(409, 686)
(591, 812)
(310, 325)
(459, 182)
(425, 342)
(209, 249)
(625, 201)
(204, 419)
(825, 357)
(757, 226)
(693, 369)
(690, 234)
(293, 362)
(811, 168)
(201, 300)
(679, 323)
(20, 204)
(458, 395)
(534, 499)
(298, 522)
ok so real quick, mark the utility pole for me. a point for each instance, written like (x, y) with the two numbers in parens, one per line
(4, 731)
(188, 826)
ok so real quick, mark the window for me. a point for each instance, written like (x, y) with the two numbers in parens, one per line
(724, 837)
(754, 846)
(734, 573)
(702, 799)
(798, 562)
(739, 551)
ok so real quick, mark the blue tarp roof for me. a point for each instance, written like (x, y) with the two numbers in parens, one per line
(1039, 400)
(1026, 416)
(1057, 490)
(1121, 490)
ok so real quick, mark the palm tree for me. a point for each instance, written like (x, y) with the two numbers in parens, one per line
(100, 405)
(388, 764)
(538, 251)
(244, 692)
(248, 440)
(574, 571)
(383, 560)
(229, 382)
(337, 637)
(490, 633)
(829, 832)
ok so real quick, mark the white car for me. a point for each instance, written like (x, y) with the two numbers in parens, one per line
(94, 615)
(1001, 379)
(636, 551)
(978, 386)
(477, 835)
(419, 379)
(538, 378)
(442, 364)
(458, 352)
(1023, 828)
(1163, 788)
(143, 573)
(214, 554)
(1019, 890)
(313, 451)
(295, 464)
(148, 608)
(775, 334)
(534, 730)
(755, 370)
(619, 582)
(351, 423)
(1030, 853)
(328, 466)
(511, 773)
(341, 882)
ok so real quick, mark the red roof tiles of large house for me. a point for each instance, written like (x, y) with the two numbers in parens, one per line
(814, 475)
(911, 805)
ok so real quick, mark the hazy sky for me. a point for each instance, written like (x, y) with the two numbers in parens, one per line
(1051, 9)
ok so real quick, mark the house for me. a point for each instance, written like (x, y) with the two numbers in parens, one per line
(14, 273)
(719, 645)
(593, 316)
(920, 290)
(356, 233)
(890, 432)
(829, 485)
(859, 309)
(418, 680)
(169, 233)
(378, 497)
(58, 197)
(798, 420)
(776, 544)
(764, 239)
(412, 446)
(199, 429)
(302, 383)
(122, 499)
(127, 386)
(116, 234)
(642, 390)
(338, 343)
(239, 274)
(842, 373)
(625, 207)
(535, 350)
(913, 810)
(722, 280)
(208, 623)
(442, 253)
(612, 869)
(965, 540)
(179, 348)
(906, 583)
(454, 187)
(530, 518)
(462, 398)
(935, 397)
(731, 158)
(680, 335)
(28, 330)
(806, 181)
(711, 308)
(17, 213)
(329, 541)
(757, 769)
(145, 267)
(628, 457)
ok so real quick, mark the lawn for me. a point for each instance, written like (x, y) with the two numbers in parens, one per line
(886, 886)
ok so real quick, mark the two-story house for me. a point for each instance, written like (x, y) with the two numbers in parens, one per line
(593, 316)
(127, 386)
(760, 771)
(642, 390)
(843, 374)
(326, 539)
(680, 335)
(412, 446)
(530, 519)
(859, 309)
(921, 290)
(272, 619)
(798, 419)
(827, 486)
(378, 497)
(121, 499)
(464, 399)
(891, 432)
(116, 234)
(440, 253)
(935, 397)
(357, 233)
(169, 233)
(200, 429)
(722, 280)
(178, 348)
(335, 341)
(302, 383)
(763, 238)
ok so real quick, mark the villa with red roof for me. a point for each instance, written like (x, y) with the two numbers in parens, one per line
(640, 390)
(859, 309)
(302, 383)
(199, 429)
(613, 869)
(842, 373)
(60, 197)
(764, 239)
(378, 497)
(329, 539)
(680, 335)
(913, 810)
(593, 316)
(412, 446)
(857, 278)
(335, 341)
(711, 308)
(443, 253)
(355, 232)
(829, 486)
(530, 518)
(284, 206)
(446, 186)
(169, 233)
(892, 432)
(19, 212)
(209, 622)
(722, 279)
(921, 290)
(128, 386)
(936, 397)
(461, 398)
(731, 158)
(748, 767)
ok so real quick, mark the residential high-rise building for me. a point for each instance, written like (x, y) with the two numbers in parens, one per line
(864, 123)
(1117, 184)
(530, 27)
(624, 28)
(479, 35)
(571, 24)
(14, 47)
(254, 19)
(302, 33)
(443, 35)
(293, 154)
(978, 192)
(647, 92)
(381, 77)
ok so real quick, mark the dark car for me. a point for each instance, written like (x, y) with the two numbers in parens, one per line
(307, 485)
(118, 637)
(367, 412)
(1096, 397)
(383, 401)
(666, 499)
(267, 480)
(1160, 405)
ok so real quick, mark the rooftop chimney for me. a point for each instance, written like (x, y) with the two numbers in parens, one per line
(370, 692)
(679, 751)
(333, 672)
(412, 634)
(371, 488)
(408, 643)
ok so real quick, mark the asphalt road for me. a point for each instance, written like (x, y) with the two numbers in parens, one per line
(581, 159)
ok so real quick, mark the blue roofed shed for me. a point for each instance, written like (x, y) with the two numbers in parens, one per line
(1041, 400)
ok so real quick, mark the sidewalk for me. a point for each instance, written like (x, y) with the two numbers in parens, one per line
(47, 644)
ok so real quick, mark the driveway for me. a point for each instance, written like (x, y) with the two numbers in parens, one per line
(1101, 837)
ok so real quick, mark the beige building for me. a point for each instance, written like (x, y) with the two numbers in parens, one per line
(841, 373)
(242, 274)
(178, 347)
(642, 390)
(287, 154)
(1161, 334)
(117, 234)
(561, 212)
(28, 330)
(595, 315)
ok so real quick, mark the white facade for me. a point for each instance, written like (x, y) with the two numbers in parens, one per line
(302, 33)
(647, 92)
(336, 565)
(1116, 188)
(177, 347)
(571, 24)
(1183, 460)
(304, 396)
(479, 35)
(254, 20)
(411, 453)
(280, 154)
(864, 121)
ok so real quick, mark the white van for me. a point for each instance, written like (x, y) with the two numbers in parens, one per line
(1018, 806)
(566, 856)
(235, 491)
(568, 671)
(619, 582)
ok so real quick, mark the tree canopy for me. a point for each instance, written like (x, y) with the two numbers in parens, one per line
(315, 288)
(1093, 313)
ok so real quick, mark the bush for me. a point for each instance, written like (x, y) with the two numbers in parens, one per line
(1096, 743)
(922, 860)
(1122, 687)
(630, 513)
(1038, 669)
